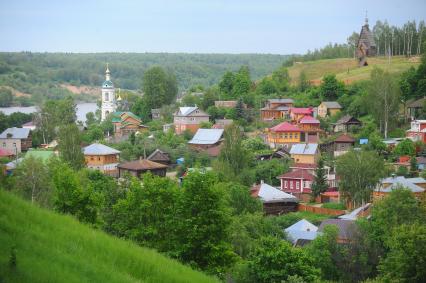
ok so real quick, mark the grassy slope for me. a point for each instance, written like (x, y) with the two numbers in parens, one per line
(57, 248)
(315, 70)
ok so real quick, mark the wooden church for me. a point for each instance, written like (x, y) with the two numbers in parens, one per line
(366, 46)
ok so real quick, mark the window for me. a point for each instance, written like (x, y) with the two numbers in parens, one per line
(99, 158)
(286, 136)
(91, 158)
(14, 144)
(285, 184)
(297, 186)
(291, 136)
(4, 144)
(291, 185)
(106, 96)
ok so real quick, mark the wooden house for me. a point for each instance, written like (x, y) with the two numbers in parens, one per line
(283, 135)
(297, 183)
(206, 138)
(341, 145)
(305, 153)
(156, 114)
(346, 124)
(126, 123)
(275, 202)
(328, 108)
(296, 114)
(227, 104)
(189, 118)
(310, 129)
(278, 108)
(159, 157)
(103, 158)
(416, 185)
(16, 140)
(414, 107)
(139, 167)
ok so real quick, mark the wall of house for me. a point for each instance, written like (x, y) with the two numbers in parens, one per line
(322, 110)
(13, 145)
(272, 114)
(294, 185)
(304, 158)
(333, 112)
(97, 160)
(282, 138)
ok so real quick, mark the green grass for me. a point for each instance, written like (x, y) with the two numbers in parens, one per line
(347, 70)
(57, 248)
(334, 205)
(289, 219)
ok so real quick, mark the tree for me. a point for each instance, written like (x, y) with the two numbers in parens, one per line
(383, 99)
(32, 180)
(406, 258)
(6, 97)
(320, 182)
(405, 147)
(359, 172)
(331, 88)
(242, 83)
(275, 260)
(69, 145)
(227, 83)
(281, 79)
(90, 118)
(304, 83)
(239, 199)
(413, 167)
(239, 109)
(202, 237)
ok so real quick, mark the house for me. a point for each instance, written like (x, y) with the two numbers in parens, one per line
(346, 124)
(222, 123)
(155, 114)
(277, 108)
(298, 183)
(139, 167)
(305, 153)
(283, 134)
(414, 107)
(421, 162)
(301, 230)
(346, 229)
(416, 185)
(126, 123)
(296, 114)
(6, 153)
(16, 139)
(167, 127)
(328, 108)
(366, 46)
(189, 118)
(29, 125)
(275, 202)
(278, 153)
(101, 157)
(310, 168)
(341, 145)
(417, 132)
(206, 138)
(311, 128)
(159, 157)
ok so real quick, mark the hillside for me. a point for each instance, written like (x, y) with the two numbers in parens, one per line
(347, 70)
(57, 248)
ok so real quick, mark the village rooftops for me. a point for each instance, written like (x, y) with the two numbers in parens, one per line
(309, 120)
(297, 174)
(402, 182)
(99, 149)
(281, 100)
(116, 118)
(305, 111)
(303, 166)
(346, 119)
(15, 133)
(190, 110)
(332, 104)
(207, 136)
(304, 148)
(270, 194)
(302, 229)
(285, 127)
(344, 138)
(347, 228)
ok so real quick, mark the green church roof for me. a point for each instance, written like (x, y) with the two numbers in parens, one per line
(107, 84)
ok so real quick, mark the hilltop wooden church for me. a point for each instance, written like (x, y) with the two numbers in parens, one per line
(124, 123)
(366, 46)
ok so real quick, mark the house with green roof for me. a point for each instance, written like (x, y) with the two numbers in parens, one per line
(126, 123)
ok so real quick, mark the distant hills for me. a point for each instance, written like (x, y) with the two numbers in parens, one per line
(48, 247)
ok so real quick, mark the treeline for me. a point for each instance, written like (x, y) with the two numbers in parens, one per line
(391, 40)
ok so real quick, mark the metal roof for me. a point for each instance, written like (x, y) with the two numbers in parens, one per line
(269, 194)
(332, 104)
(281, 100)
(15, 133)
(207, 136)
(304, 148)
(99, 149)
(302, 225)
(400, 181)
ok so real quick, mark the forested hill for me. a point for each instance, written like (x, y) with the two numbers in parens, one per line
(42, 246)
(19, 70)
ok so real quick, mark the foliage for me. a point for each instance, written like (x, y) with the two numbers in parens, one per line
(334, 205)
(319, 184)
(69, 145)
(359, 173)
(57, 248)
(13, 120)
(239, 199)
(405, 147)
(331, 88)
(268, 170)
(274, 260)
(6, 97)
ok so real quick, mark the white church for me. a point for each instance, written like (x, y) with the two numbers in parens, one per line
(109, 102)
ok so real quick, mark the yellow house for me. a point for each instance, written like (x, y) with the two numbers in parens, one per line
(102, 158)
(283, 134)
(328, 108)
(307, 153)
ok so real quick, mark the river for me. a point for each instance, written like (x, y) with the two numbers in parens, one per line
(82, 110)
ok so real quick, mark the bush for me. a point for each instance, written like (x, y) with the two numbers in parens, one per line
(334, 205)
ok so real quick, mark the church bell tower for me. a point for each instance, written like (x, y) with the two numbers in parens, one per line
(109, 103)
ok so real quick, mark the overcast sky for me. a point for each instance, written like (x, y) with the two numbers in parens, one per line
(201, 26)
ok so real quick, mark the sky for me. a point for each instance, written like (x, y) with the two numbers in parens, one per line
(191, 26)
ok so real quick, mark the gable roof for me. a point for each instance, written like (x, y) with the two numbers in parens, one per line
(207, 136)
(297, 174)
(15, 133)
(417, 103)
(346, 119)
(159, 155)
(401, 181)
(345, 138)
(281, 100)
(346, 227)
(285, 127)
(307, 119)
(301, 230)
(298, 110)
(99, 149)
(332, 104)
(270, 194)
(366, 37)
(141, 164)
(304, 148)
(190, 110)
(302, 225)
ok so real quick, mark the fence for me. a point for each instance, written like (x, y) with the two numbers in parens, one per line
(320, 210)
